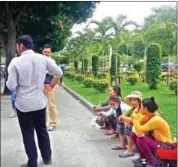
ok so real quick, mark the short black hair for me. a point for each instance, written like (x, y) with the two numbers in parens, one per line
(116, 99)
(47, 46)
(26, 40)
(150, 104)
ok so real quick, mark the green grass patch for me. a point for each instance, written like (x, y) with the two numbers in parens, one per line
(166, 99)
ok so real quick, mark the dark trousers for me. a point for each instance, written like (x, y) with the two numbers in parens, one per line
(112, 120)
(29, 121)
(61, 79)
(146, 147)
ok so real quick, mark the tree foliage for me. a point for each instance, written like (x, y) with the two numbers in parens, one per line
(40, 20)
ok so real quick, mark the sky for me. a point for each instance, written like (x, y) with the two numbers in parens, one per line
(135, 11)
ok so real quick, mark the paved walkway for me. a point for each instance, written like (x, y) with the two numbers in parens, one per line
(74, 142)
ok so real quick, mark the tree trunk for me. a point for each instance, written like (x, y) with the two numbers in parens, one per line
(169, 72)
(11, 46)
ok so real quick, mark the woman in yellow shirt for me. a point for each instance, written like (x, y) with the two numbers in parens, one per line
(150, 122)
(134, 99)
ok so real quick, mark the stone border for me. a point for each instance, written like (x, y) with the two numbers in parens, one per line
(86, 103)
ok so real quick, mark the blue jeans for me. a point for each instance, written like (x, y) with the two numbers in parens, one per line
(13, 98)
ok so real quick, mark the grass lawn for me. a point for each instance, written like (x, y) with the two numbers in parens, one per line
(166, 99)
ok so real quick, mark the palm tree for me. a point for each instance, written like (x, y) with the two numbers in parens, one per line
(119, 25)
(165, 13)
(102, 35)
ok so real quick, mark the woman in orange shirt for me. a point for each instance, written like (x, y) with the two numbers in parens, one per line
(150, 122)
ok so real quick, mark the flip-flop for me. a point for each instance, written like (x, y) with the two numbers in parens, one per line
(110, 133)
(118, 148)
(104, 128)
(126, 155)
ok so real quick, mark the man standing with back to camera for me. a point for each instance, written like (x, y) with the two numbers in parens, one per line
(51, 98)
(26, 77)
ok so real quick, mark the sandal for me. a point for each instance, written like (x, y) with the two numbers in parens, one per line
(118, 148)
(122, 155)
(104, 128)
(24, 165)
(110, 132)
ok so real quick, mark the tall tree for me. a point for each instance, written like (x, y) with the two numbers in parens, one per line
(40, 20)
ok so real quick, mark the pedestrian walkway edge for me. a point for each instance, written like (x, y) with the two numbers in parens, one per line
(82, 100)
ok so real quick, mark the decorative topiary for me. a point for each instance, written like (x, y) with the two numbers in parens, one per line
(113, 66)
(88, 82)
(153, 65)
(95, 65)
(173, 86)
(132, 80)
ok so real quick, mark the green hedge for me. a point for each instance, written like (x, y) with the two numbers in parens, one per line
(101, 85)
(80, 78)
(88, 82)
(132, 80)
(173, 86)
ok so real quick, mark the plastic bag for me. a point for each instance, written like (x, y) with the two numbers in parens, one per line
(94, 124)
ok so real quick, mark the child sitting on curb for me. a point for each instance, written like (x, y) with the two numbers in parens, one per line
(112, 116)
(104, 106)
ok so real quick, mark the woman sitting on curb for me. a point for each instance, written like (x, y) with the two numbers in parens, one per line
(150, 122)
(104, 106)
(134, 99)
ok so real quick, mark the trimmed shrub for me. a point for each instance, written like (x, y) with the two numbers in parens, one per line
(68, 74)
(153, 65)
(113, 66)
(132, 80)
(173, 86)
(95, 84)
(88, 82)
(138, 66)
(101, 85)
(80, 78)
(95, 65)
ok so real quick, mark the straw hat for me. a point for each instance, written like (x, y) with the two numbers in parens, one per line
(134, 94)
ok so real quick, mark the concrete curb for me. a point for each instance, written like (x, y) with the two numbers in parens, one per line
(83, 101)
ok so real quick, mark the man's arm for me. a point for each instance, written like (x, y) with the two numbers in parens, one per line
(12, 77)
(55, 70)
